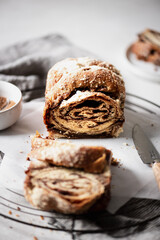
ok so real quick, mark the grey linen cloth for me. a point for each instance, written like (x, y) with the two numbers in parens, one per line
(26, 65)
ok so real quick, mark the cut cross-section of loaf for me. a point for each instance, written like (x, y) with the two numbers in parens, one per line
(67, 191)
(84, 97)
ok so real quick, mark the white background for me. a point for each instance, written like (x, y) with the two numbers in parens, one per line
(104, 27)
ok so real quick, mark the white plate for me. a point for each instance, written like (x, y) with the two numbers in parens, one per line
(145, 70)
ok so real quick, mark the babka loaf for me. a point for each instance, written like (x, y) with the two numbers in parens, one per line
(84, 97)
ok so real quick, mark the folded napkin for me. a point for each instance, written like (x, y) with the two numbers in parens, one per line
(26, 65)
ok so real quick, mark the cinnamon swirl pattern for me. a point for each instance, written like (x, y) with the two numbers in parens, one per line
(89, 158)
(66, 191)
(84, 97)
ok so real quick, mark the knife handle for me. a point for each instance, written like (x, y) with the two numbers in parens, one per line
(156, 170)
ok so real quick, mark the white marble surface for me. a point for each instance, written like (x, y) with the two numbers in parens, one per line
(100, 26)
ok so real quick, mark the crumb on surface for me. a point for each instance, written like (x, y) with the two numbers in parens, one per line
(42, 217)
(18, 208)
(114, 161)
(35, 238)
(10, 212)
(125, 144)
(17, 215)
(38, 134)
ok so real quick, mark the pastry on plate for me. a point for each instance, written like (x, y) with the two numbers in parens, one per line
(89, 158)
(147, 47)
(67, 191)
(84, 98)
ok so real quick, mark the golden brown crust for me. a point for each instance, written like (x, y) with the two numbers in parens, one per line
(147, 47)
(66, 191)
(88, 81)
(89, 158)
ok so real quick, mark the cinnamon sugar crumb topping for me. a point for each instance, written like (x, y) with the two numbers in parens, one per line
(114, 161)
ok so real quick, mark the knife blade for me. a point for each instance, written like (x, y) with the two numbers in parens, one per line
(146, 150)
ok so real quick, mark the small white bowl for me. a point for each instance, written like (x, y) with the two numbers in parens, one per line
(9, 116)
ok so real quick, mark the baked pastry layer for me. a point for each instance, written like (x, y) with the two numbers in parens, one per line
(84, 97)
(147, 47)
(89, 158)
(64, 190)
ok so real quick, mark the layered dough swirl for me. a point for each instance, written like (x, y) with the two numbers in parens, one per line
(84, 97)
(64, 190)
